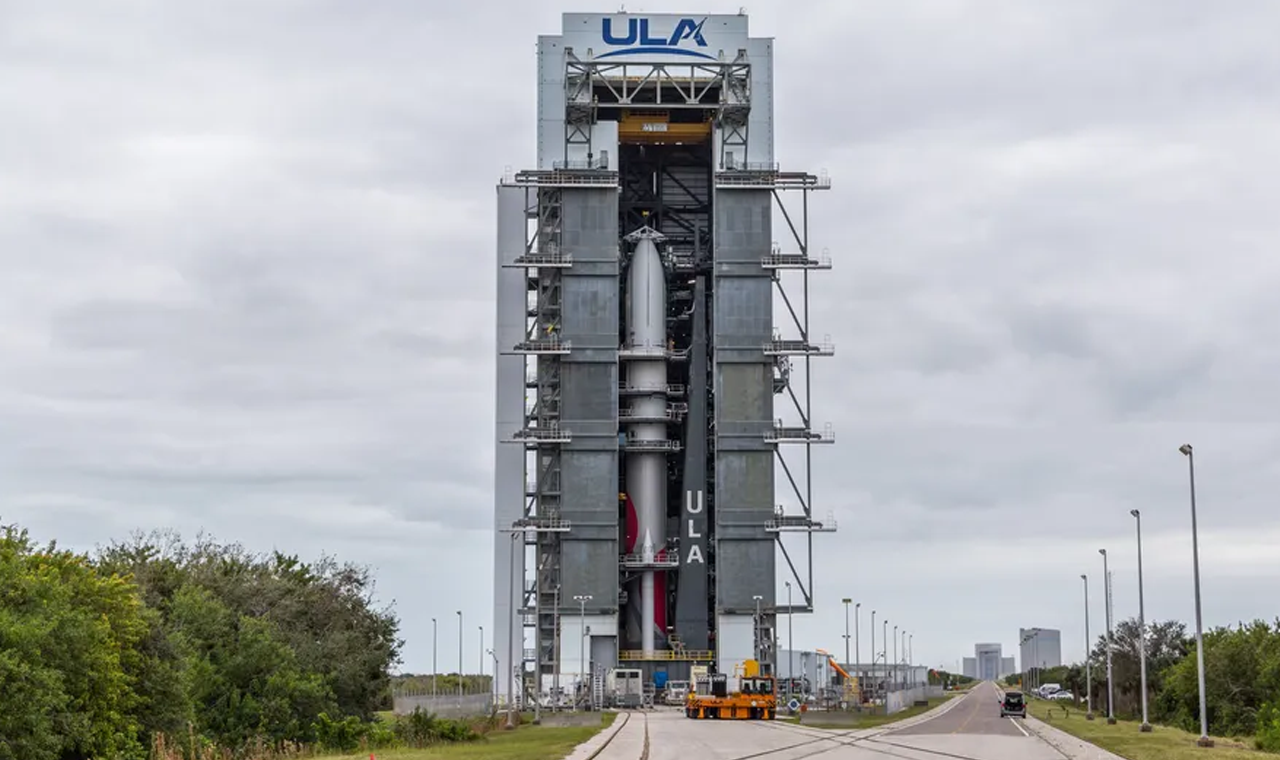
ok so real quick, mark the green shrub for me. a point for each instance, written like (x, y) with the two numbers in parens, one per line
(1268, 736)
(421, 729)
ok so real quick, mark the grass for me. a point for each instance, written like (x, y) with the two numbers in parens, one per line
(528, 742)
(1124, 739)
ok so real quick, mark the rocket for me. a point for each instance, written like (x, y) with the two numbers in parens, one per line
(646, 330)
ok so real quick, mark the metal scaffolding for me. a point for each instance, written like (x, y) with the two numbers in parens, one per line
(801, 348)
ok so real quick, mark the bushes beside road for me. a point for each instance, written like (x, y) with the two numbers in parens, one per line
(191, 646)
(1242, 678)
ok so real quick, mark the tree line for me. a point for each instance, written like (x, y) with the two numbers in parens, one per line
(1242, 678)
(153, 640)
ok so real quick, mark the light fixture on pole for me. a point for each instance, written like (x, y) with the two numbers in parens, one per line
(790, 642)
(558, 649)
(1142, 628)
(884, 631)
(1088, 659)
(582, 600)
(511, 636)
(873, 647)
(857, 644)
(759, 643)
(846, 602)
(1204, 740)
(1106, 587)
(493, 690)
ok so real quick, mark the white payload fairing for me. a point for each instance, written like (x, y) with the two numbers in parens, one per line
(646, 330)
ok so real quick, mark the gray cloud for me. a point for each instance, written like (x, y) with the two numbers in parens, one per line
(247, 256)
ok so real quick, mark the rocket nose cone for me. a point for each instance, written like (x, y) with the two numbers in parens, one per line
(645, 247)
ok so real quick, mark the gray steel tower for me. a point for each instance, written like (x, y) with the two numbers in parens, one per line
(638, 359)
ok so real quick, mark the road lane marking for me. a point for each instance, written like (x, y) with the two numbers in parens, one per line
(976, 707)
(1020, 728)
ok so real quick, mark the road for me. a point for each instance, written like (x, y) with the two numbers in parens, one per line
(969, 728)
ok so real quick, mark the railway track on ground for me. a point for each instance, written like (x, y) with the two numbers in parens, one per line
(622, 724)
(832, 741)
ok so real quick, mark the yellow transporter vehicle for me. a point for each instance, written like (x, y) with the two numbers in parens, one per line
(752, 696)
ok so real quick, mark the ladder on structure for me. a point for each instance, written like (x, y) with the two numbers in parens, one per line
(597, 689)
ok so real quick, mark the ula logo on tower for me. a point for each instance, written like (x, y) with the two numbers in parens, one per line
(638, 39)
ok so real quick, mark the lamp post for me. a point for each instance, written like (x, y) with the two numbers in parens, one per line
(460, 671)
(582, 600)
(1088, 660)
(558, 651)
(790, 642)
(884, 635)
(873, 649)
(435, 668)
(759, 648)
(1204, 740)
(482, 653)
(511, 636)
(911, 648)
(846, 602)
(857, 645)
(1106, 587)
(1142, 628)
(895, 655)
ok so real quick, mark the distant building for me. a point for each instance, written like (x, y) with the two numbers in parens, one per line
(1040, 648)
(970, 667)
(988, 658)
(1007, 666)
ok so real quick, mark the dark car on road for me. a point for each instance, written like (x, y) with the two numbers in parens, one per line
(1013, 704)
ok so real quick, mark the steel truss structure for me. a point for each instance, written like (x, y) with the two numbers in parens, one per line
(672, 190)
(799, 262)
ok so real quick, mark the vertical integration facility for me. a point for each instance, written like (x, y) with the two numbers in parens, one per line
(644, 393)
(988, 662)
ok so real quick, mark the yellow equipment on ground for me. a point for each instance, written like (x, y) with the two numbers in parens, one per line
(751, 696)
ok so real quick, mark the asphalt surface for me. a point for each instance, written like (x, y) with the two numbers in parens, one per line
(967, 728)
(978, 713)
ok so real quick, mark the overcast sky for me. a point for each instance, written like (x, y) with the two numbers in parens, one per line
(246, 281)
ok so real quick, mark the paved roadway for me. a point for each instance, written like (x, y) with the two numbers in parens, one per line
(967, 728)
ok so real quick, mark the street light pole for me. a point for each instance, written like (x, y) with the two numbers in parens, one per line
(759, 642)
(511, 637)
(791, 650)
(460, 671)
(557, 645)
(895, 655)
(884, 634)
(911, 648)
(1204, 740)
(846, 602)
(435, 667)
(1088, 659)
(873, 650)
(1142, 628)
(582, 600)
(1106, 587)
(481, 653)
(857, 644)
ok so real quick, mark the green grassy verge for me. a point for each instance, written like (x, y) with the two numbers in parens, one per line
(1125, 740)
(528, 742)
(867, 719)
